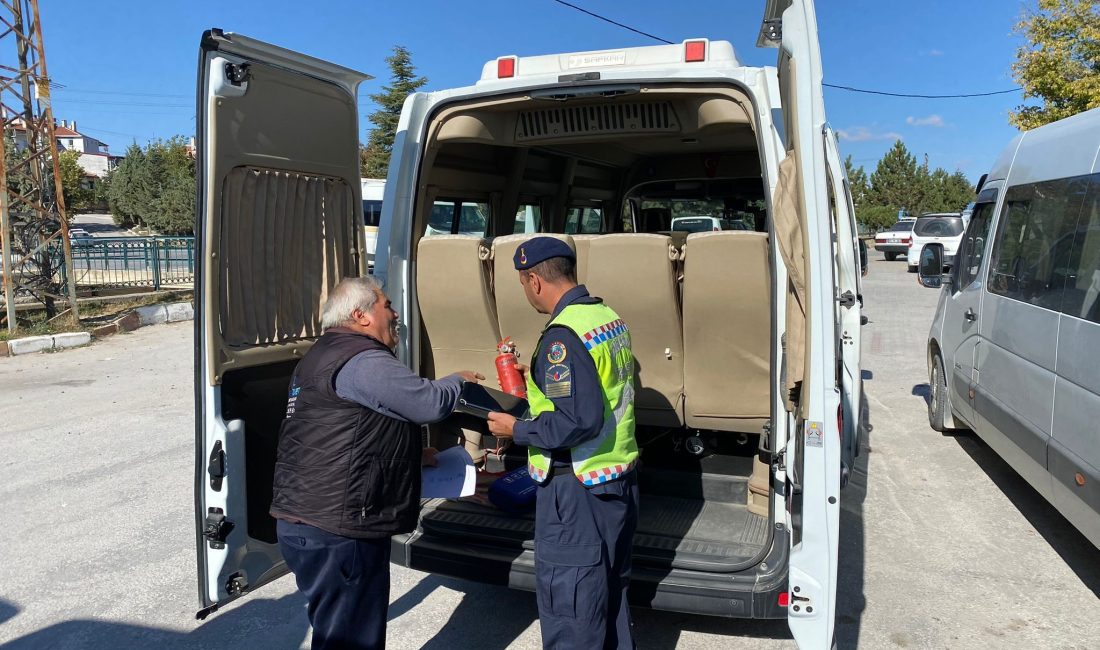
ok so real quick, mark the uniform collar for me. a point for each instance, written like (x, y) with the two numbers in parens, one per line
(578, 294)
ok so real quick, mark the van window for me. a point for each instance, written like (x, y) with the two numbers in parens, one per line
(583, 221)
(1034, 239)
(372, 213)
(528, 219)
(1082, 294)
(450, 216)
(972, 247)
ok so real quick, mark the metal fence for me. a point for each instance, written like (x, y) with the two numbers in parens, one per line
(106, 262)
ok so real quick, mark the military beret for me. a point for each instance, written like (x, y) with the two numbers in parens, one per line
(538, 250)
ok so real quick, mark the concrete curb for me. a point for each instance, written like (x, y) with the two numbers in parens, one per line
(155, 314)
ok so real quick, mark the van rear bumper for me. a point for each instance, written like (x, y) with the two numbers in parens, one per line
(751, 593)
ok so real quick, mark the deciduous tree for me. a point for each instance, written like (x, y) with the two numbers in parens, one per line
(1060, 65)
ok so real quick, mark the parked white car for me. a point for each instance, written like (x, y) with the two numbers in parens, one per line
(938, 228)
(895, 241)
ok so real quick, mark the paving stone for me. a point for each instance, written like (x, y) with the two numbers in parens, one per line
(31, 344)
(105, 330)
(129, 322)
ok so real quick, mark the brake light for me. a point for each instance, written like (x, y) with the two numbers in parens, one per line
(784, 599)
(910, 243)
(695, 51)
(506, 67)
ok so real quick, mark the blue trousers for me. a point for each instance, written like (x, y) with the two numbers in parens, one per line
(346, 582)
(583, 539)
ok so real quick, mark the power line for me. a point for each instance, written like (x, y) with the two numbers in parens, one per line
(847, 88)
(918, 96)
(66, 89)
(608, 20)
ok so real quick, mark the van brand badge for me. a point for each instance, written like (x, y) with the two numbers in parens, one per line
(813, 435)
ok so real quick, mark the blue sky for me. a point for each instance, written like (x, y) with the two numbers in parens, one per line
(129, 66)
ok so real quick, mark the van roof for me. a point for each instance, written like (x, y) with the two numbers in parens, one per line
(1068, 147)
(715, 54)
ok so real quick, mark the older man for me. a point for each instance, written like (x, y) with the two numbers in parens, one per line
(581, 451)
(348, 470)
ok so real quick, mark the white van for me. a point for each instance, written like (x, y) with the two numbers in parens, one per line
(373, 189)
(1013, 349)
(747, 342)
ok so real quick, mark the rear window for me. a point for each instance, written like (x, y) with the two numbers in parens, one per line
(702, 224)
(901, 226)
(939, 227)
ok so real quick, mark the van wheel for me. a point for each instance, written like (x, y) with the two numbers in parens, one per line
(890, 257)
(937, 398)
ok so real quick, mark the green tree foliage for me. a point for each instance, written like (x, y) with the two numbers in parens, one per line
(155, 187)
(899, 183)
(1061, 63)
(374, 159)
(857, 182)
(77, 197)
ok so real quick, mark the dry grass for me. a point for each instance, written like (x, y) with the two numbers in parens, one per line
(92, 314)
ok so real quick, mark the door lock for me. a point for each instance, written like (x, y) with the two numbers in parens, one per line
(970, 315)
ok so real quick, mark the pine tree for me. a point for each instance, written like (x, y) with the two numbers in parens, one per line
(1061, 63)
(857, 182)
(894, 179)
(375, 158)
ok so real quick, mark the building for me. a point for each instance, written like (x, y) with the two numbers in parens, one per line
(95, 157)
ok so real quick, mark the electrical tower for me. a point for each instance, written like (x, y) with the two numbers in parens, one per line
(33, 218)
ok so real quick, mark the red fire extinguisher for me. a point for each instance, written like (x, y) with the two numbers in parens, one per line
(511, 381)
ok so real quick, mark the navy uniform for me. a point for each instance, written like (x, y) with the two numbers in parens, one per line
(582, 453)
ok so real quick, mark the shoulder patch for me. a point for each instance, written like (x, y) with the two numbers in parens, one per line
(558, 381)
(557, 352)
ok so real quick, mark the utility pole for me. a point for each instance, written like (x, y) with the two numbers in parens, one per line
(32, 204)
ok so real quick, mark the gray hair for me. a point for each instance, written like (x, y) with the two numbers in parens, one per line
(347, 296)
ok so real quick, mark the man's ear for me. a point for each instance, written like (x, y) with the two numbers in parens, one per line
(535, 281)
(361, 317)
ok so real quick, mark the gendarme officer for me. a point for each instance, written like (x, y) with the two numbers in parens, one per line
(581, 452)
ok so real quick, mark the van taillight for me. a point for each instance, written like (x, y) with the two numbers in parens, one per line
(506, 67)
(784, 599)
(695, 51)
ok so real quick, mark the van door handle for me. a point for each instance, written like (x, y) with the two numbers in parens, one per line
(970, 315)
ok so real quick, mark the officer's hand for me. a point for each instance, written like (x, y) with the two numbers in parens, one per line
(470, 376)
(500, 424)
(427, 457)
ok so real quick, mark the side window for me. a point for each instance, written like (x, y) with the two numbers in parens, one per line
(372, 212)
(528, 219)
(450, 216)
(1082, 294)
(972, 248)
(1034, 241)
(583, 221)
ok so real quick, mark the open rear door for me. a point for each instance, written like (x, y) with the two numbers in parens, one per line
(813, 452)
(279, 210)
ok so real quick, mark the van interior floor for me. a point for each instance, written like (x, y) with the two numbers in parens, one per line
(693, 516)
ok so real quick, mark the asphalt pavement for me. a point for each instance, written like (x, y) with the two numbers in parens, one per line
(942, 544)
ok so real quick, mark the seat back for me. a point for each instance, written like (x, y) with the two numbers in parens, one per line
(456, 305)
(636, 276)
(515, 316)
(728, 317)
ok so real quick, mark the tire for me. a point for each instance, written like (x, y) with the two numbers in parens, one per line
(912, 269)
(890, 257)
(937, 394)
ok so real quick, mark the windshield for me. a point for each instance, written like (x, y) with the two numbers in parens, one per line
(939, 227)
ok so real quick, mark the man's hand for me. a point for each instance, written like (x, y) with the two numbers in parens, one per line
(500, 424)
(470, 376)
(523, 370)
(427, 457)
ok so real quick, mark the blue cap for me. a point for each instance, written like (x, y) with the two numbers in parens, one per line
(539, 249)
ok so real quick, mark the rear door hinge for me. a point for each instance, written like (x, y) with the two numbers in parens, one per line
(773, 29)
(215, 466)
(847, 299)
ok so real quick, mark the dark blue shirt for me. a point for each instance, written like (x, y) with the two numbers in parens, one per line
(566, 373)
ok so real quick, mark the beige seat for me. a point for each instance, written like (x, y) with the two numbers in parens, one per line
(583, 245)
(515, 316)
(636, 276)
(727, 317)
(456, 306)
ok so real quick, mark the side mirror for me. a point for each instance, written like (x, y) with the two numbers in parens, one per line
(930, 267)
(863, 268)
